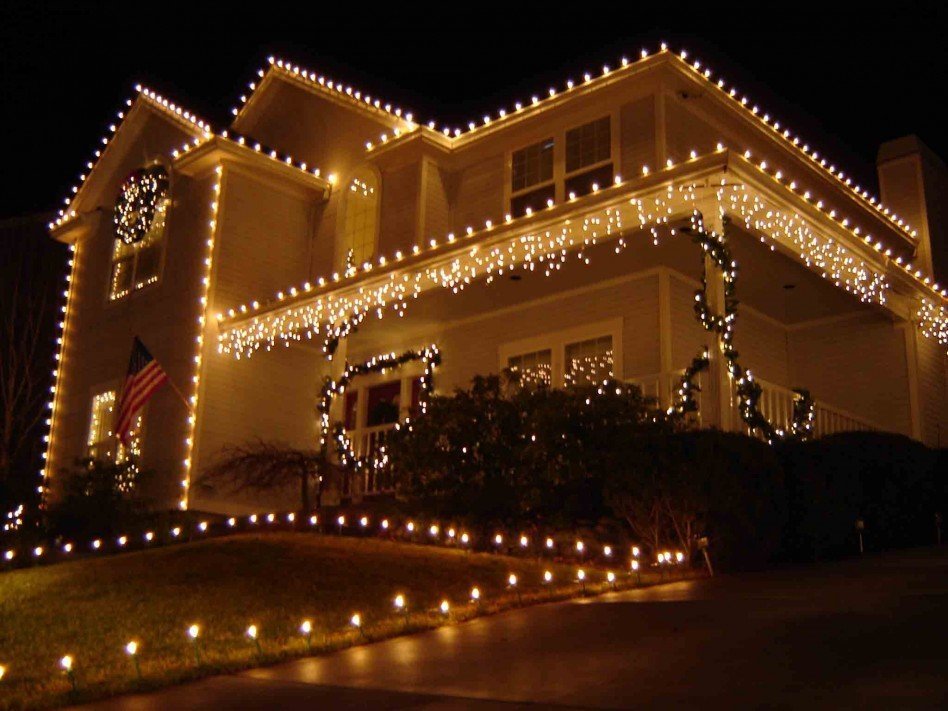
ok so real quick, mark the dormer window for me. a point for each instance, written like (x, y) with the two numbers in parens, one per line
(140, 218)
(359, 238)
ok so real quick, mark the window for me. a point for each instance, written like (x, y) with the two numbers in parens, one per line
(531, 177)
(588, 157)
(589, 362)
(360, 223)
(535, 368)
(102, 443)
(136, 265)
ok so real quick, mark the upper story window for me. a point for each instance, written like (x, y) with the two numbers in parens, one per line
(588, 157)
(359, 238)
(140, 217)
(531, 177)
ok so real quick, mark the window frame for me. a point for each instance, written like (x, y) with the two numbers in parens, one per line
(338, 257)
(560, 175)
(162, 243)
(114, 451)
(556, 342)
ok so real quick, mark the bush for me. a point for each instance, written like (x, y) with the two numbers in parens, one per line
(98, 499)
(894, 484)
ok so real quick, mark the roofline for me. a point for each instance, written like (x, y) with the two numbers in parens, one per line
(722, 161)
(144, 99)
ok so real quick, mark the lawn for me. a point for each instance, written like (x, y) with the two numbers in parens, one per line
(91, 608)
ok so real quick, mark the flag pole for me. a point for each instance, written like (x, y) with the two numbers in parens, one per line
(180, 394)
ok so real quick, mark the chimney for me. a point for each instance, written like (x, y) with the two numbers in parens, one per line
(913, 183)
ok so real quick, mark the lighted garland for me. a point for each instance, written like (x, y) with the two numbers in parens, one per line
(141, 195)
(748, 390)
(430, 356)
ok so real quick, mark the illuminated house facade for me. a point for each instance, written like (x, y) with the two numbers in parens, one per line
(549, 237)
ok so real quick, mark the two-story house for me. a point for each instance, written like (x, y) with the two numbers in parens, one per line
(550, 236)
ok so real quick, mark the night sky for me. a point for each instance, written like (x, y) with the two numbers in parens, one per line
(843, 79)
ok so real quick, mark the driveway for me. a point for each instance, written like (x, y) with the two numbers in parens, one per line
(867, 633)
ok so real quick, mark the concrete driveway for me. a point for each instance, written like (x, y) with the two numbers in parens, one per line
(868, 633)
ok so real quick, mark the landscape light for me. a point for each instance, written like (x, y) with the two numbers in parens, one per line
(364, 521)
(524, 541)
(176, 531)
(547, 576)
(475, 594)
(635, 551)
(433, 530)
(38, 551)
(306, 629)
(399, 602)
(341, 521)
(451, 533)
(67, 548)
(122, 540)
(580, 546)
(498, 539)
(607, 551)
(635, 565)
(445, 607)
(149, 536)
(465, 538)
(679, 556)
(290, 517)
(194, 631)
(313, 520)
(203, 526)
(271, 518)
(3, 671)
(232, 522)
(131, 649)
(96, 544)
(384, 524)
(611, 578)
(66, 663)
(410, 526)
(512, 580)
(356, 620)
(9, 555)
(252, 631)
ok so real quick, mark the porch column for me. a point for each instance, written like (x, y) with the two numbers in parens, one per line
(911, 370)
(337, 412)
(720, 395)
(664, 339)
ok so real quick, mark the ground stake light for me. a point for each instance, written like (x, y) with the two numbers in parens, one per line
(131, 649)
(67, 666)
(306, 629)
(194, 631)
(253, 635)
(581, 579)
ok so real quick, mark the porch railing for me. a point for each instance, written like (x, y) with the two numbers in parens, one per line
(776, 403)
(366, 443)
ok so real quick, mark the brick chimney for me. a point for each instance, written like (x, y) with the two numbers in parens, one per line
(913, 182)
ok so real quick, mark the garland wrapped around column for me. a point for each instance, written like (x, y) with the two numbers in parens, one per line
(331, 389)
(748, 390)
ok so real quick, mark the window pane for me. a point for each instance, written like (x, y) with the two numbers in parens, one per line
(532, 165)
(589, 362)
(360, 229)
(149, 262)
(588, 144)
(582, 184)
(121, 283)
(100, 441)
(535, 200)
(534, 368)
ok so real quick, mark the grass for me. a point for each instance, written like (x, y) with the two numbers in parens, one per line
(91, 608)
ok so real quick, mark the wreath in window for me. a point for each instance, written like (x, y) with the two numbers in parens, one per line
(141, 195)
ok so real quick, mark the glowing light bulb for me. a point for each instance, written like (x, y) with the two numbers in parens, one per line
(66, 663)
(131, 649)
(581, 574)
(475, 594)
(356, 620)
(547, 576)
(512, 580)
(194, 631)
(306, 627)
(252, 632)
(399, 602)
(445, 607)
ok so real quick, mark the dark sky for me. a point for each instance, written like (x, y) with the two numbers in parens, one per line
(843, 78)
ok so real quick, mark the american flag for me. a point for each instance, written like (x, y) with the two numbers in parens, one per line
(144, 377)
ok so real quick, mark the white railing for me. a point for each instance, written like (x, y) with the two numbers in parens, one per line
(664, 388)
(776, 404)
(366, 443)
